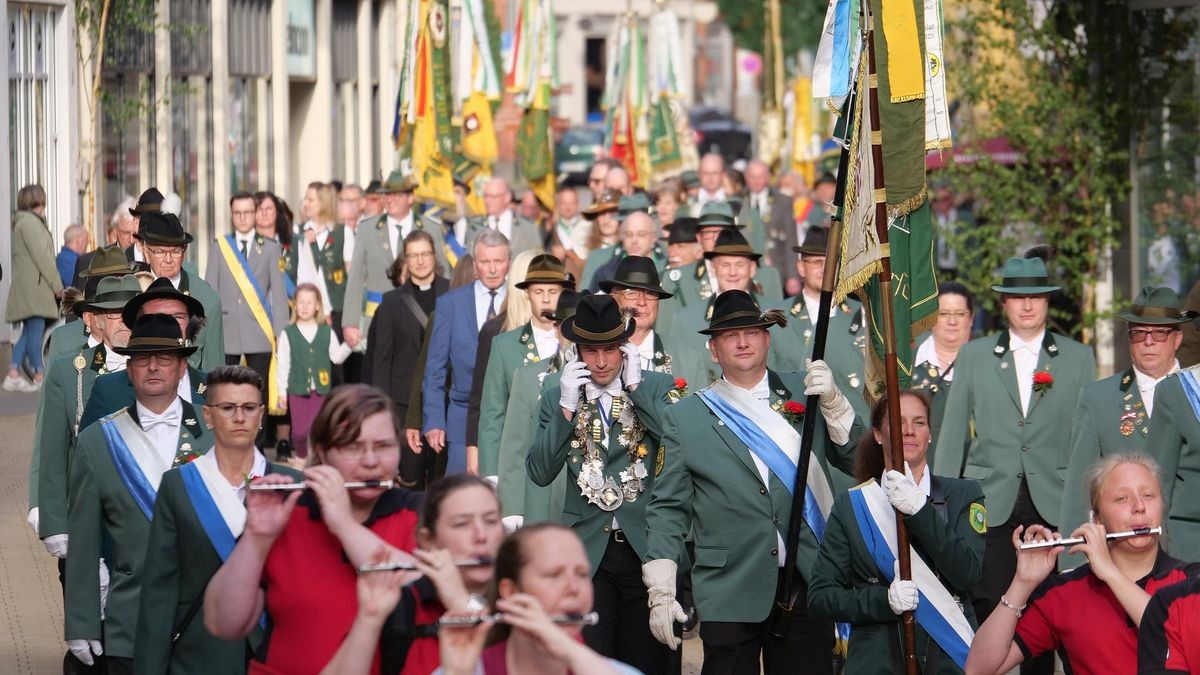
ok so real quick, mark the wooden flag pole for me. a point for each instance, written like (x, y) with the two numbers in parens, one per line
(894, 459)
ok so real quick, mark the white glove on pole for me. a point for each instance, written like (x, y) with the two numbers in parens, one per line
(84, 650)
(56, 544)
(33, 519)
(631, 370)
(574, 374)
(103, 587)
(903, 492)
(902, 595)
(665, 611)
(835, 407)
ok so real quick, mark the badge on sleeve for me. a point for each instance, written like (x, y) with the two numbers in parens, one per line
(660, 460)
(978, 516)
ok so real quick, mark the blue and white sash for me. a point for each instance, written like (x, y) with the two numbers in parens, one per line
(937, 611)
(222, 514)
(1191, 387)
(139, 465)
(775, 442)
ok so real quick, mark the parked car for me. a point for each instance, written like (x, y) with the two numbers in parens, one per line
(577, 151)
(717, 131)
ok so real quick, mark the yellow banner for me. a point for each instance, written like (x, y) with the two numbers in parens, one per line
(250, 293)
(905, 66)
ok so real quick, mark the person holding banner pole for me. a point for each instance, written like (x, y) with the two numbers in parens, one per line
(198, 516)
(946, 521)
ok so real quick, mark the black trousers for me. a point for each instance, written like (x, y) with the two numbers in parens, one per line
(1000, 566)
(352, 369)
(750, 649)
(620, 599)
(72, 665)
(261, 364)
(417, 471)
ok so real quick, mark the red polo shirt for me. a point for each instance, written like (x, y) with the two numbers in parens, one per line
(1169, 639)
(1078, 616)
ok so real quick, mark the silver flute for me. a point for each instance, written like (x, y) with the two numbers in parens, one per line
(302, 485)
(1072, 541)
(405, 566)
(571, 619)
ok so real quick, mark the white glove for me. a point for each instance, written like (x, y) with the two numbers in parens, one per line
(574, 374)
(84, 649)
(512, 523)
(665, 611)
(631, 371)
(103, 587)
(902, 595)
(835, 407)
(903, 492)
(33, 519)
(56, 544)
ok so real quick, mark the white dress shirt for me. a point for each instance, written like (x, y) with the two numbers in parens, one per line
(761, 202)
(175, 280)
(114, 362)
(704, 196)
(813, 305)
(92, 341)
(244, 240)
(503, 223)
(398, 230)
(579, 239)
(483, 300)
(164, 436)
(185, 386)
(762, 392)
(546, 341)
(927, 352)
(348, 235)
(1146, 385)
(1025, 358)
(306, 266)
(646, 351)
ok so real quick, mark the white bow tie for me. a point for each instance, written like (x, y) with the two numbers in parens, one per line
(595, 391)
(169, 418)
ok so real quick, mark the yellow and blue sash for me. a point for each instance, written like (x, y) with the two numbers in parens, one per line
(256, 300)
(371, 302)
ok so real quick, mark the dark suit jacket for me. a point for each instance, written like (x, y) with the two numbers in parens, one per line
(112, 392)
(394, 343)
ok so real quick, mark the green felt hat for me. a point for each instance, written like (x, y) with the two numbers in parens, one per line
(716, 214)
(1158, 306)
(633, 203)
(1025, 276)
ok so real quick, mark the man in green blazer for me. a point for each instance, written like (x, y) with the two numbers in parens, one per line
(603, 423)
(1015, 390)
(1114, 413)
(536, 341)
(377, 242)
(198, 515)
(725, 473)
(793, 345)
(115, 475)
(165, 243)
(68, 385)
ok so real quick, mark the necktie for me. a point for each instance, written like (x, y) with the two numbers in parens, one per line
(246, 249)
(491, 314)
(149, 420)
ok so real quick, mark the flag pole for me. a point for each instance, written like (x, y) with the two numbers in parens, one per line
(894, 459)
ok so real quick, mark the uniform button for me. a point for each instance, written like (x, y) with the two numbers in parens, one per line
(606, 528)
(762, 490)
(720, 423)
(775, 520)
(1025, 449)
(1021, 476)
(775, 551)
(1020, 424)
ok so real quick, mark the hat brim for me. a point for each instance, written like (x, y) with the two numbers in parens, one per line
(733, 324)
(130, 313)
(736, 225)
(1025, 290)
(592, 211)
(1187, 316)
(526, 283)
(113, 270)
(609, 284)
(809, 251)
(155, 349)
(570, 333)
(709, 255)
(159, 241)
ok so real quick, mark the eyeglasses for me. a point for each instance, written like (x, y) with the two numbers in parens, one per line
(958, 315)
(357, 449)
(230, 410)
(420, 255)
(163, 253)
(635, 294)
(163, 360)
(1160, 334)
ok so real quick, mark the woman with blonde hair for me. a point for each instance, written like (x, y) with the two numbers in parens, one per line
(320, 248)
(1090, 615)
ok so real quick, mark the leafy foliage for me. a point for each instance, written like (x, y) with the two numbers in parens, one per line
(801, 29)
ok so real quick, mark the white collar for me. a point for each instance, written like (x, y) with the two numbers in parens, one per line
(92, 341)
(1147, 383)
(177, 278)
(646, 349)
(483, 293)
(402, 222)
(1034, 345)
(114, 362)
(760, 391)
(246, 236)
(704, 196)
(176, 407)
(925, 483)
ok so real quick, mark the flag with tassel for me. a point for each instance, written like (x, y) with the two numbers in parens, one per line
(626, 101)
(422, 130)
(671, 145)
(532, 74)
(476, 92)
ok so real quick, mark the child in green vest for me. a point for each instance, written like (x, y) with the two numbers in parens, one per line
(304, 354)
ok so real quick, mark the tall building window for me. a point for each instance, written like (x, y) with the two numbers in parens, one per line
(249, 114)
(191, 115)
(128, 98)
(32, 59)
(345, 99)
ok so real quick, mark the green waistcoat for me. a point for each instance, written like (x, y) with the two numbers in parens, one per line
(309, 369)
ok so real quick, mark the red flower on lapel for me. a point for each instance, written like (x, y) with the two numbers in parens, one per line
(1042, 381)
(681, 384)
(793, 412)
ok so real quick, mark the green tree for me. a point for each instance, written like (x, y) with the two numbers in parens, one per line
(801, 26)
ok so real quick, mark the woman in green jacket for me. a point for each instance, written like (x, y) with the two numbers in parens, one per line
(854, 578)
(35, 285)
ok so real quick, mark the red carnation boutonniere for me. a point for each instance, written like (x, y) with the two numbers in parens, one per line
(793, 412)
(680, 384)
(678, 391)
(1042, 381)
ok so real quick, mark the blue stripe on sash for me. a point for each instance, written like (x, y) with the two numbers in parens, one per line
(206, 510)
(289, 286)
(262, 297)
(839, 80)
(1192, 389)
(452, 242)
(926, 613)
(767, 450)
(128, 470)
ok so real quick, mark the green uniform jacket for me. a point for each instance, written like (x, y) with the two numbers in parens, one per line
(552, 450)
(104, 520)
(708, 485)
(211, 338)
(690, 284)
(792, 345)
(519, 495)
(373, 257)
(1174, 442)
(1008, 446)
(67, 338)
(64, 393)
(1107, 410)
(330, 259)
(510, 351)
(180, 559)
(847, 585)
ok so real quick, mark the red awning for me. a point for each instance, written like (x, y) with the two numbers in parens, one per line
(996, 148)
